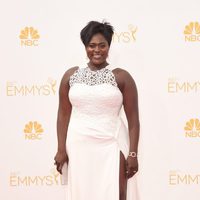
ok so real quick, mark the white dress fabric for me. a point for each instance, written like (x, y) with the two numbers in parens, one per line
(96, 135)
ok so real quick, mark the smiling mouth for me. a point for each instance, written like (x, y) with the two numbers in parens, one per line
(97, 56)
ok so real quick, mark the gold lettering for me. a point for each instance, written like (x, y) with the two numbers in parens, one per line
(172, 179)
(126, 35)
(9, 89)
(35, 42)
(23, 42)
(13, 181)
(33, 136)
(117, 35)
(28, 136)
(187, 38)
(53, 86)
(24, 90)
(29, 42)
(38, 89)
(133, 34)
(37, 136)
(56, 176)
(192, 134)
(46, 90)
(183, 86)
(33, 180)
(193, 38)
(31, 90)
(42, 179)
(190, 179)
(22, 180)
(19, 90)
(182, 179)
(49, 180)
(192, 86)
(171, 87)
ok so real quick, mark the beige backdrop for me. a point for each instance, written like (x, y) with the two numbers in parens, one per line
(158, 42)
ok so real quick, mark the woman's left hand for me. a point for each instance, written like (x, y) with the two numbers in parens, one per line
(131, 166)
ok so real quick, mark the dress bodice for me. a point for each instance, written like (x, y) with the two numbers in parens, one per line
(95, 93)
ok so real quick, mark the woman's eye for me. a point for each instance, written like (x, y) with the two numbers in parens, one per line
(91, 46)
(102, 46)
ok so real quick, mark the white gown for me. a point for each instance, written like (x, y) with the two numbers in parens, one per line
(95, 137)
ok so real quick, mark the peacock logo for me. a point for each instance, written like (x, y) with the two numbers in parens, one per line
(192, 32)
(33, 130)
(192, 128)
(29, 36)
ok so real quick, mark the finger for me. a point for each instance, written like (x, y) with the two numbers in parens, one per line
(127, 163)
(127, 173)
(56, 163)
(130, 173)
(58, 169)
(132, 168)
(127, 167)
(128, 170)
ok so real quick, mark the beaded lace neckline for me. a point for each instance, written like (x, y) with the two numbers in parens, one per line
(90, 77)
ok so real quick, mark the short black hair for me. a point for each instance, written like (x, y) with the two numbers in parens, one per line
(94, 27)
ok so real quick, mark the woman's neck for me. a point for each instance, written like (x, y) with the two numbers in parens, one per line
(97, 67)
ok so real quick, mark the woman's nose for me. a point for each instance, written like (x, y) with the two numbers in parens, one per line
(96, 48)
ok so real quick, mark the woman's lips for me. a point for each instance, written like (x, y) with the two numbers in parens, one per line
(96, 56)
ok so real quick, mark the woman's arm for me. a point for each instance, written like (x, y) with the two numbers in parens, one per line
(130, 102)
(63, 117)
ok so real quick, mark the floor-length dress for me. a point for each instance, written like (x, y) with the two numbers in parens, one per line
(95, 136)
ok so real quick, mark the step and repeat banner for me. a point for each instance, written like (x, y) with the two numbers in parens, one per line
(157, 42)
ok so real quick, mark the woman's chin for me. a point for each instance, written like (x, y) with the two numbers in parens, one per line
(97, 62)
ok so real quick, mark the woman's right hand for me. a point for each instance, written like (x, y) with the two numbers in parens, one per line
(60, 158)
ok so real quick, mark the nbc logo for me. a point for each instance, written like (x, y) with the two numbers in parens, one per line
(192, 32)
(29, 36)
(192, 128)
(33, 131)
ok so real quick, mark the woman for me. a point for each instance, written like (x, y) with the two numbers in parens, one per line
(92, 138)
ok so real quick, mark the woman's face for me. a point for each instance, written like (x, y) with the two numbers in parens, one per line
(97, 49)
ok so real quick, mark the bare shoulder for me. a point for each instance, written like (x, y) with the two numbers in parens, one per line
(123, 77)
(69, 73)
